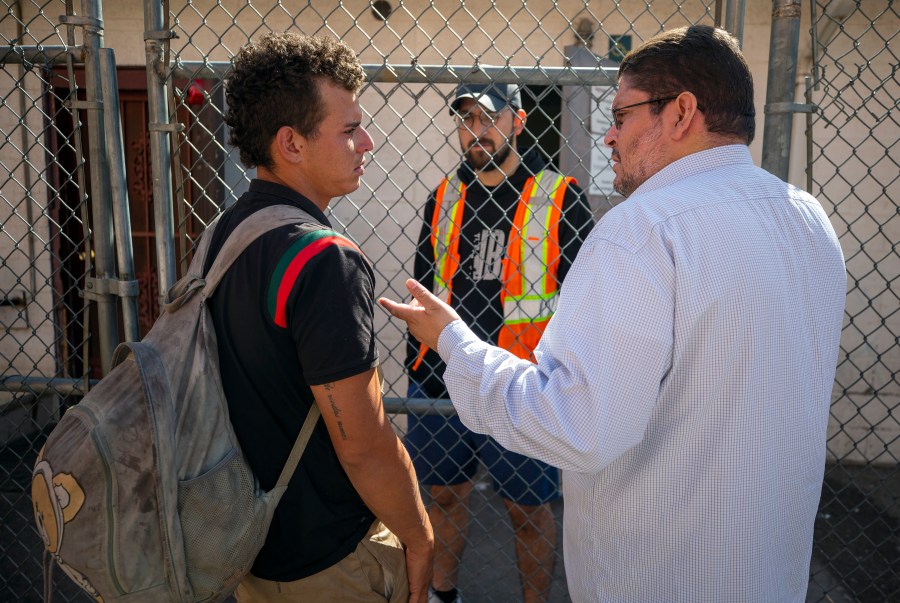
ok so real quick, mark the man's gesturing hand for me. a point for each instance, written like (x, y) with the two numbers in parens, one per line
(425, 315)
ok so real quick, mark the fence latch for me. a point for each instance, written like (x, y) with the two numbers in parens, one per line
(166, 34)
(98, 288)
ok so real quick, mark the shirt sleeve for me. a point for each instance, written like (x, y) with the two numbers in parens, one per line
(600, 365)
(330, 309)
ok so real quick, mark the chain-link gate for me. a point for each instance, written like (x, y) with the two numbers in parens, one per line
(852, 171)
(54, 271)
(181, 173)
(415, 54)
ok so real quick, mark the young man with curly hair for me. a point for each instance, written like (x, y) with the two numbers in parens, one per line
(294, 321)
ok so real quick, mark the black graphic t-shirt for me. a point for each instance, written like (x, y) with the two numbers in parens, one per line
(487, 219)
(296, 309)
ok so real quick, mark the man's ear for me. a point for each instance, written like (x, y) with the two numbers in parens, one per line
(687, 114)
(519, 118)
(288, 145)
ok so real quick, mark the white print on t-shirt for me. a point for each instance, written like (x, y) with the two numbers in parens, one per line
(488, 248)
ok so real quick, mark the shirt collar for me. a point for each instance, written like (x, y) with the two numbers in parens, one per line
(695, 163)
(289, 196)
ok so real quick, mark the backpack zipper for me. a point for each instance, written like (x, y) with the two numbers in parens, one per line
(111, 502)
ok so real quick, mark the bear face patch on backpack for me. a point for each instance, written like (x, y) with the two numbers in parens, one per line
(141, 492)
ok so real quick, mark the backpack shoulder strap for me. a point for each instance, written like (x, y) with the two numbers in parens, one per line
(299, 446)
(253, 227)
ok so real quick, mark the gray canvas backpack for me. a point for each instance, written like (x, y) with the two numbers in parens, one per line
(141, 492)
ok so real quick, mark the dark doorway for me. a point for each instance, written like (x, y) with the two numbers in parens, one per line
(68, 209)
(543, 105)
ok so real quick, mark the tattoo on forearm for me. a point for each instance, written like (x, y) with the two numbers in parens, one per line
(334, 408)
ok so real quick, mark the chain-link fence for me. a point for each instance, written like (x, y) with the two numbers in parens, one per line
(852, 171)
(66, 166)
(46, 256)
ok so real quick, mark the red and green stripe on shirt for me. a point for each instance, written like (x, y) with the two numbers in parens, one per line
(291, 265)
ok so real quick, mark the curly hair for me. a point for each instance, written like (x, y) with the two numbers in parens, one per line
(274, 82)
(705, 61)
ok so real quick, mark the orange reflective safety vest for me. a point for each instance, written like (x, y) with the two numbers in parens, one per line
(530, 284)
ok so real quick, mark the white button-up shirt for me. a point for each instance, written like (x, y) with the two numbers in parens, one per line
(683, 386)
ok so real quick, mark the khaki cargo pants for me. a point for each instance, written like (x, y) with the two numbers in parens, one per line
(374, 573)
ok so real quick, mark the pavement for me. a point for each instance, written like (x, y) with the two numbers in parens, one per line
(857, 558)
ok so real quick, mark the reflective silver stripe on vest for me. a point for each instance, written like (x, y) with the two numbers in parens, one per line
(535, 303)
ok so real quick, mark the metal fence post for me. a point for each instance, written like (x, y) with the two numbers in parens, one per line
(160, 129)
(734, 19)
(127, 285)
(779, 110)
(97, 287)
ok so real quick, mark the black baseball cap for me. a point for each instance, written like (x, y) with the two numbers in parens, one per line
(492, 97)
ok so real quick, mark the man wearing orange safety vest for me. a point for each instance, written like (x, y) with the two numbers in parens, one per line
(497, 239)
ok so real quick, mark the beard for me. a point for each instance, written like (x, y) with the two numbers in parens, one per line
(481, 161)
(647, 158)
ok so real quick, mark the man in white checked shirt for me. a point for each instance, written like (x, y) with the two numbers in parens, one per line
(683, 384)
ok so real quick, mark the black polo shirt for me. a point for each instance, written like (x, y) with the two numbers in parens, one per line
(295, 309)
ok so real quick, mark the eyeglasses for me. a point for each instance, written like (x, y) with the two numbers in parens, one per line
(468, 120)
(617, 119)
